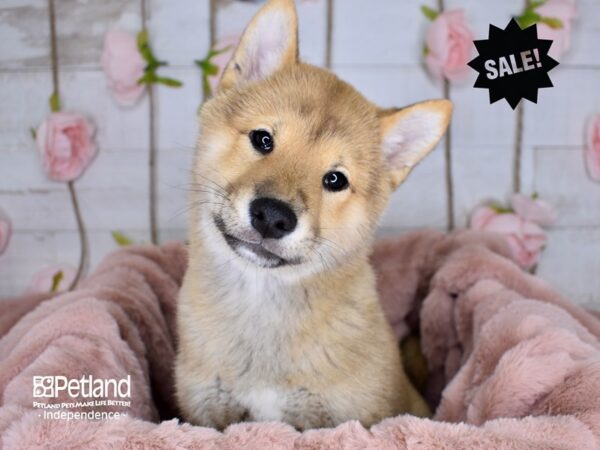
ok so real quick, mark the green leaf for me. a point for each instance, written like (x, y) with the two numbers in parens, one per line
(500, 209)
(216, 52)
(425, 50)
(152, 63)
(535, 196)
(212, 53)
(143, 43)
(532, 4)
(147, 78)
(206, 64)
(206, 86)
(528, 18)
(33, 133)
(147, 55)
(211, 69)
(54, 102)
(56, 279)
(121, 239)
(430, 13)
(171, 82)
(552, 22)
(142, 39)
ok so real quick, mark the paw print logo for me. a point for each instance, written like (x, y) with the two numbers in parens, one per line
(43, 386)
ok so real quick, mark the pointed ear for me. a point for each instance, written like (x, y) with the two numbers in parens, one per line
(269, 43)
(409, 134)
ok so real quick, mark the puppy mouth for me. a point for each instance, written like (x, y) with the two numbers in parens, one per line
(252, 251)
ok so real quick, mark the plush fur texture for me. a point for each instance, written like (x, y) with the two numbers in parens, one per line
(310, 345)
(520, 363)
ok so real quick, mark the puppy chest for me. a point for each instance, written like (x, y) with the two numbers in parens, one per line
(257, 329)
(264, 403)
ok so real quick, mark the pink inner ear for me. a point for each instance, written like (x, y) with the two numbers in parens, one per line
(410, 139)
(392, 149)
(266, 46)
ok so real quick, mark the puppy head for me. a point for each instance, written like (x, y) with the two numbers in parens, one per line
(294, 166)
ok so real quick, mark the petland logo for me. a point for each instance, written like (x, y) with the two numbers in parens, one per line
(86, 387)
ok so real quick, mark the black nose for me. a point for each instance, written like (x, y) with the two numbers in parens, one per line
(272, 218)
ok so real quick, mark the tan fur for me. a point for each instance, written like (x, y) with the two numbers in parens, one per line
(306, 343)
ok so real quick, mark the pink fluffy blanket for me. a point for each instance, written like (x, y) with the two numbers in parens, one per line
(512, 364)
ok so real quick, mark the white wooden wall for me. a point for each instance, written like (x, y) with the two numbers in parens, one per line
(375, 45)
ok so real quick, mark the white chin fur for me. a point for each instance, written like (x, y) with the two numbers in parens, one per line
(222, 254)
(253, 257)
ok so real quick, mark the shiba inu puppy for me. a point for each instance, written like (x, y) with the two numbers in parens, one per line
(278, 315)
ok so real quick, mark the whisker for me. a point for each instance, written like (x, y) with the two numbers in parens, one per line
(192, 205)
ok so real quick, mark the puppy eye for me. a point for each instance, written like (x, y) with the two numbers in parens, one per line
(262, 141)
(335, 181)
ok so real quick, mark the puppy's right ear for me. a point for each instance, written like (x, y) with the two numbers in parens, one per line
(410, 133)
(269, 43)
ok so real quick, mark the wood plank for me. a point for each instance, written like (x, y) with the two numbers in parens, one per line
(482, 134)
(52, 210)
(182, 34)
(421, 200)
(81, 26)
(475, 122)
(117, 127)
(570, 263)
(561, 178)
(177, 110)
(24, 33)
(481, 14)
(23, 105)
(559, 117)
(21, 172)
(180, 31)
(174, 177)
(177, 134)
(26, 254)
(168, 234)
(585, 37)
(112, 193)
(558, 120)
(30, 252)
(388, 33)
(482, 150)
(312, 16)
(390, 86)
(481, 173)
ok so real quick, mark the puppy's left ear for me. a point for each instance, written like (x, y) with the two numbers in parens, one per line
(269, 43)
(409, 134)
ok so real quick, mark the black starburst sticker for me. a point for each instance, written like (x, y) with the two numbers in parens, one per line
(513, 63)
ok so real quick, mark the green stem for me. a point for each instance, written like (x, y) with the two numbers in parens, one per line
(83, 242)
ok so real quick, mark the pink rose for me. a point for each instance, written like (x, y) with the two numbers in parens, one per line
(5, 231)
(449, 43)
(525, 239)
(44, 280)
(563, 10)
(534, 210)
(230, 43)
(592, 150)
(123, 66)
(65, 143)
